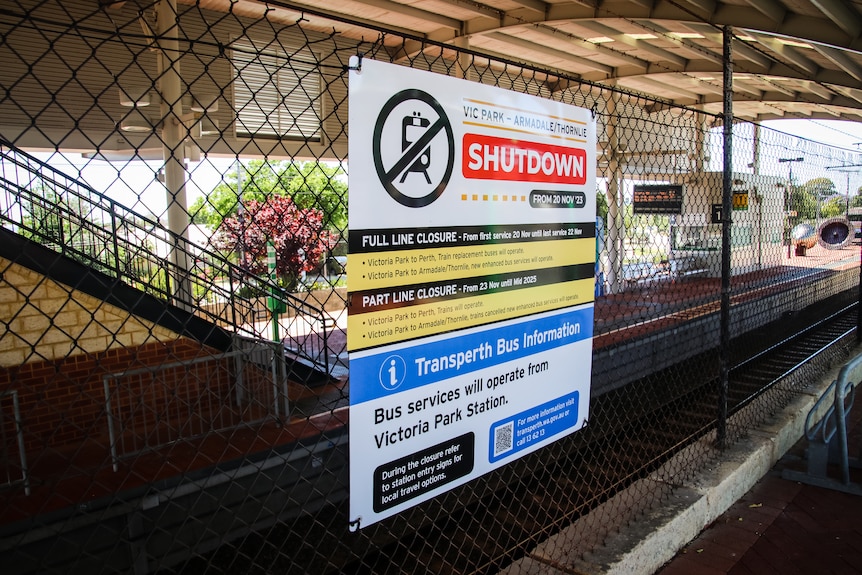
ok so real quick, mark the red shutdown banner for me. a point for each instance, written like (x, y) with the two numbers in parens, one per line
(491, 158)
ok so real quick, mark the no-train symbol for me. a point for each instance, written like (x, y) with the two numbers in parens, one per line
(413, 148)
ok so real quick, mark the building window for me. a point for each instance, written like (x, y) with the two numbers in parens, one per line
(276, 95)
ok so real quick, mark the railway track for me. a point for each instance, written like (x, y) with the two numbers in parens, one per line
(664, 413)
(487, 524)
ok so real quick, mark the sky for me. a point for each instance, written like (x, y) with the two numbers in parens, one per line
(138, 188)
(837, 132)
(845, 134)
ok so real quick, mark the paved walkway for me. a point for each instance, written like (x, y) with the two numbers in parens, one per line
(784, 527)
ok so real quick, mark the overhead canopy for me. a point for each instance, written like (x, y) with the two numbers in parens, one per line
(791, 59)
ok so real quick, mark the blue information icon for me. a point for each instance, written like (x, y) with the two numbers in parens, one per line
(393, 371)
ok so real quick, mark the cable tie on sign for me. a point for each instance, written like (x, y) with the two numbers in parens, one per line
(594, 110)
(358, 66)
(354, 525)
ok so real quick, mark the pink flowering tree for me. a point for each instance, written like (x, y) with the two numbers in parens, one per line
(299, 236)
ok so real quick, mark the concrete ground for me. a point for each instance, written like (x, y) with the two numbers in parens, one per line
(739, 515)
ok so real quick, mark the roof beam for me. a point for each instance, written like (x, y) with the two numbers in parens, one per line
(412, 12)
(740, 85)
(773, 10)
(840, 59)
(740, 47)
(700, 50)
(707, 6)
(706, 86)
(816, 28)
(852, 93)
(743, 49)
(603, 30)
(787, 53)
(583, 43)
(481, 10)
(534, 5)
(774, 85)
(405, 51)
(764, 98)
(829, 110)
(842, 16)
(532, 46)
(762, 117)
(644, 3)
(112, 5)
(819, 90)
(661, 86)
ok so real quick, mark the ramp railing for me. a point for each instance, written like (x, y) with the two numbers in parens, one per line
(153, 407)
(827, 435)
(13, 466)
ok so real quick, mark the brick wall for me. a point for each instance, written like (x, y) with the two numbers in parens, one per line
(45, 320)
(62, 401)
(56, 348)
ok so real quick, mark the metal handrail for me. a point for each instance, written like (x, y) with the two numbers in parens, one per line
(19, 434)
(837, 392)
(72, 218)
(271, 398)
(826, 426)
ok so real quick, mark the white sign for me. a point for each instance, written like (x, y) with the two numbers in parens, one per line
(472, 253)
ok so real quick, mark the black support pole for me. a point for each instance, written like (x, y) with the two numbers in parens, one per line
(726, 212)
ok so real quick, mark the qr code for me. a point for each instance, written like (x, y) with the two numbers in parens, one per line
(503, 438)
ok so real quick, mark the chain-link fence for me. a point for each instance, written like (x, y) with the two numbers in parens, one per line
(174, 383)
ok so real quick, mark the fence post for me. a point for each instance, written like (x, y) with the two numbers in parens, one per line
(112, 438)
(859, 307)
(173, 133)
(726, 208)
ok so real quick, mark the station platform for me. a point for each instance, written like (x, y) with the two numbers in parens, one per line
(739, 515)
(784, 526)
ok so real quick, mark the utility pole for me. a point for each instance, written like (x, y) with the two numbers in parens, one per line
(788, 204)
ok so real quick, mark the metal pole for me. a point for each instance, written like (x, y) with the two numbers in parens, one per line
(788, 208)
(616, 254)
(173, 134)
(274, 303)
(755, 168)
(240, 212)
(462, 64)
(726, 208)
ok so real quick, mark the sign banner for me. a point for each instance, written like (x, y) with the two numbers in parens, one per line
(471, 281)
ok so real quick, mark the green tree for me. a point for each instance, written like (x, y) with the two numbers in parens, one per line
(602, 207)
(310, 185)
(802, 201)
(46, 217)
(820, 190)
(836, 206)
(80, 230)
(823, 187)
